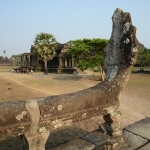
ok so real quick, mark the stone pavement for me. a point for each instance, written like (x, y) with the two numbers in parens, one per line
(141, 130)
(137, 137)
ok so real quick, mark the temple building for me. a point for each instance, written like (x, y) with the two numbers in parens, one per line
(60, 63)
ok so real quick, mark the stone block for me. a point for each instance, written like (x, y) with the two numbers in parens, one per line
(132, 141)
(141, 128)
(146, 147)
(63, 136)
(11, 143)
(98, 141)
(76, 144)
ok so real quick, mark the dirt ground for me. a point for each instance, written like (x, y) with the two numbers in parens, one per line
(134, 105)
(16, 86)
(135, 101)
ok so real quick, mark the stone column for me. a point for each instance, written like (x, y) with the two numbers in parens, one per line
(60, 65)
(29, 60)
(66, 62)
(21, 61)
(60, 62)
(63, 62)
(70, 62)
(25, 63)
(37, 62)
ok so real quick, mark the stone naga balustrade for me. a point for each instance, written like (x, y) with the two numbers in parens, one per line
(34, 120)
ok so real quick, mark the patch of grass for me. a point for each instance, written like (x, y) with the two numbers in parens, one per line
(8, 83)
(133, 68)
(95, 70)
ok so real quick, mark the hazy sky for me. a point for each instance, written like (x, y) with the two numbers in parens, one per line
(21, 20)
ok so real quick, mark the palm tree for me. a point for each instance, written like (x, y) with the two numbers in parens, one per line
(4, 51)
(44, 47)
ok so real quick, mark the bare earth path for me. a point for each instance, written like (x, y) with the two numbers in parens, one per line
(23, 86)
(135, 102)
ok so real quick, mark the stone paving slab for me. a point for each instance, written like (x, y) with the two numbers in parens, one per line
(77, 144)
(132, 141)
(98, 141)
(11, 143)
(141, 128)
(146, 147)
(136, 137)
(109, 142)
(65, 135)
(55, 139)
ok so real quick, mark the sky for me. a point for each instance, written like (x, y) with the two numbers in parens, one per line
(22, 20)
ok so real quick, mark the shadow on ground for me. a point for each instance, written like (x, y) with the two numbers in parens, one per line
(55, 139)
(136, 136)
(76, 77)
(71, 77)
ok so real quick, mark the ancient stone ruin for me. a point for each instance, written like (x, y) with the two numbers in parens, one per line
(61, 63)
(35, 119)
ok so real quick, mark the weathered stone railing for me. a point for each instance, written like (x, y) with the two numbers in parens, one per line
(35, 119)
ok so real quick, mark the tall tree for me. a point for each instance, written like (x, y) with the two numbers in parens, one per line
(44, 47)
(89, 53)
(4, 51)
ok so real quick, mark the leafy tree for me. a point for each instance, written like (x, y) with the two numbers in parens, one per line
(4, 51)
(16, 59)
(143, 58)
(89, 53)
(44, 47)
(146, 58)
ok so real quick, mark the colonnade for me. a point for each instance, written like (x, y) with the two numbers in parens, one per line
(28, 60)
(65, 62)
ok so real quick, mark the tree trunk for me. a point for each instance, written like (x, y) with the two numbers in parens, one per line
(45, 70)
